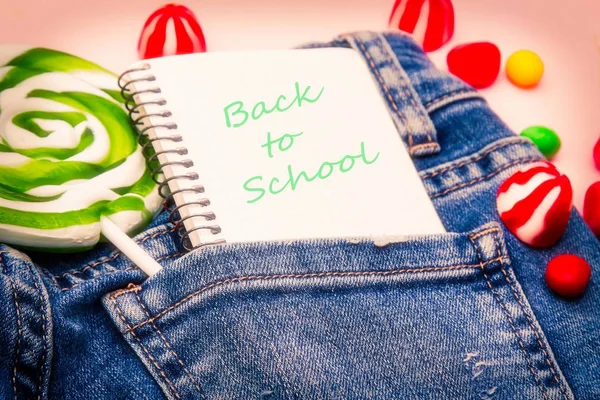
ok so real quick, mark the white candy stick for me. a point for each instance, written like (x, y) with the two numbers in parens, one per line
(130, 248)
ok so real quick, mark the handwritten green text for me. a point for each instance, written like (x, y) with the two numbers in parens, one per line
(284, 143)
(236, 115)
(259, 188)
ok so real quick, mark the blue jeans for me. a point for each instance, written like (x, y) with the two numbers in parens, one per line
(463, 315)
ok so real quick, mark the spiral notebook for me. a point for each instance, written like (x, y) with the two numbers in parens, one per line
(277, 145)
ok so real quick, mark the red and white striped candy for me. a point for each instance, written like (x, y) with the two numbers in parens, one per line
(172, 29)
(535, 204)
(430, 21)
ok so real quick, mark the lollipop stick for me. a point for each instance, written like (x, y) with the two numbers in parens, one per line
(130, 248)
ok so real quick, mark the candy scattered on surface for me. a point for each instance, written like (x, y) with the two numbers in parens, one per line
(430, 21)
(546, 140)
(478, 64)
(591, 208)
(568, 275)
(597, 154)
(172, 29)
(524, 68)
(69, 153)
(535, 204)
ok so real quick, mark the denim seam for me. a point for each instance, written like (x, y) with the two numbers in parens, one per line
(48, 275)
(161, 372)
(375, 71)
(404, 86)
(169, 345)
(390, 98)
(531, 324)
(44, 332)
(297, 276)
(483, 178)
(67, 288)
(444, 97)
(119, 270)
(450, 98)
(129, 289)
(18, 312)
(113, 257)
(505, 311)
(479, 157)
(484, 233)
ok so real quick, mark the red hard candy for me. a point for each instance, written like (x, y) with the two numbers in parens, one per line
(568, 275)
(535, 204)
(430, 21)
(478, 64)
(591, 208)
(597, 154)
(172, 29)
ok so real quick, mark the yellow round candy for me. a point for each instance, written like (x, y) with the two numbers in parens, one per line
(524, 68)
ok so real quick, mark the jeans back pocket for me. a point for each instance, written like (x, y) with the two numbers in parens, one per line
(439, 316)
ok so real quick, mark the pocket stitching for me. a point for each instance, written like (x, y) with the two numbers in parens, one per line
(531, 324)
(505, 311)
(160, 370)
(133, 267)
(169, 346)
(294, 276)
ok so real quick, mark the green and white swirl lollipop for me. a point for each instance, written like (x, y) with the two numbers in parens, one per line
(69, 157)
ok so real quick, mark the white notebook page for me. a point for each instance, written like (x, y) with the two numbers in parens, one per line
(292, 144)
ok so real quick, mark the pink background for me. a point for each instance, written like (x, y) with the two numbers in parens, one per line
(565, 33)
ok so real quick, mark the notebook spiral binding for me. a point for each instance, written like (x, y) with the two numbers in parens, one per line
(141, 121)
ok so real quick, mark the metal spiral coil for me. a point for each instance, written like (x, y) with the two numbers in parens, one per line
(141, 121)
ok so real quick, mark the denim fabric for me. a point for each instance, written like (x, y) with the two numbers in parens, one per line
(459, 315)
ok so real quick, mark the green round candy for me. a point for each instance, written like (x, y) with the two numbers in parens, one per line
(546, 140)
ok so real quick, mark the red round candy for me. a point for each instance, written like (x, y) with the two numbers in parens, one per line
(172, 29)
(597, 154)
(591, 208)
(568, 275)
(478, 64)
